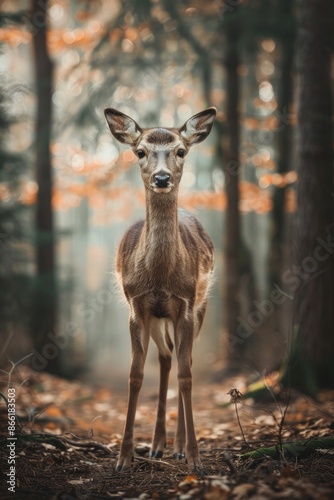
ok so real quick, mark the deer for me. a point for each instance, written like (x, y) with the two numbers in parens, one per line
(164, 264)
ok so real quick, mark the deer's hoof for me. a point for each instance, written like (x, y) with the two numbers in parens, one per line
(195, 464)
(123, 468)
(179, 456)
(156, 454)
(123, 464)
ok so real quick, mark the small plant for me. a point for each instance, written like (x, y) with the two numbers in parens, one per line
(235, 399)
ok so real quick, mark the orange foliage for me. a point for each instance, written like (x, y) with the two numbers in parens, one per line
(271, 122)
(205, 199)
(115, 35)
(280, 180)
(58, 39)
(262, 161)
(254, 199)
(28, 193)
(14, 36)
(269, 106)
(82, 15)
(252, 123)
(68, 194)
(290, 200)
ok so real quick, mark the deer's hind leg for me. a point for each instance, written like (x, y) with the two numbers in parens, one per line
(180, 435)
(159, 330)
(200, 313)
(184, 336)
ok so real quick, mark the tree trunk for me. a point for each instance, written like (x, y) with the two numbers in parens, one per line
(232, 216)
(284, 103)
(44, 308)
(312, 279)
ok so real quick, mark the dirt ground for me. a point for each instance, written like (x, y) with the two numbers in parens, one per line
(68, 436)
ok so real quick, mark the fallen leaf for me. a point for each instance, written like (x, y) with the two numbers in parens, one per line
(242, 491)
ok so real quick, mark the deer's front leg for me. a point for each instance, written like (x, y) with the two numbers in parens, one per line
(139, 343)
(160, 334)
(184, 342)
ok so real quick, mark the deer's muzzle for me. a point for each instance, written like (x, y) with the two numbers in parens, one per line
(161, 180)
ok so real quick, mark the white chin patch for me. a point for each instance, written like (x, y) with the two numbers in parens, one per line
(161, 190)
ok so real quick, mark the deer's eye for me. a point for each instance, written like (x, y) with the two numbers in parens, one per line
(140, 153)
(181, 153)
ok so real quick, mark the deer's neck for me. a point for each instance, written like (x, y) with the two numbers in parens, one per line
(161, 232)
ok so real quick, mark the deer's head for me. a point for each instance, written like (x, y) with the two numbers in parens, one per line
(161, 151)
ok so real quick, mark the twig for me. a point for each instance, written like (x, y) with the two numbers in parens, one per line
(280, 423)
(86, 444)
(228, 461)
(153, 462)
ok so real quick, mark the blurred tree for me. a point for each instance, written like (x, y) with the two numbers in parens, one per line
(285, 35)
(312, 278)
(231, 27)
(11, 282)
(45, 296)
(15, 287)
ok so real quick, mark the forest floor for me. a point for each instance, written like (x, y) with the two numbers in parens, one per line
(68, 436)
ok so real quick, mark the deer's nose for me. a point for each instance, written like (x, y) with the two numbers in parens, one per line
(161, 180)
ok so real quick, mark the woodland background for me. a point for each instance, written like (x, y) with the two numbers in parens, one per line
(262, 183)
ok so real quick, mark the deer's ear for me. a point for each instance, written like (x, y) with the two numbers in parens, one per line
(122, 127)
(198, 127)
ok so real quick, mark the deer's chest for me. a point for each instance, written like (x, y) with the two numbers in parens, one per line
(158, 291)
(158, 286)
